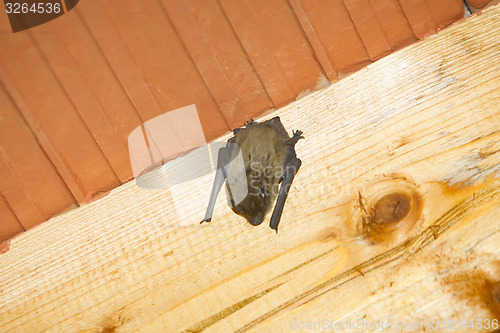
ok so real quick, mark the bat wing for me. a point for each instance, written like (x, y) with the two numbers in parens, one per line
(290, 168)
(223, 160)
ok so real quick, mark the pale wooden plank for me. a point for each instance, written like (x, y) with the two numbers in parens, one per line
(423, 122)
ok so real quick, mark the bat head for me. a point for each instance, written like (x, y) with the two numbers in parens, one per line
(261, 192)
(254, 207)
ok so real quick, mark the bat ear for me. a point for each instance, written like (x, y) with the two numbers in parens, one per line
(257, 219)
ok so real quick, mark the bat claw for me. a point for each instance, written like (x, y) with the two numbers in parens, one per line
(250, 122)
(206, 220)
(297, 135)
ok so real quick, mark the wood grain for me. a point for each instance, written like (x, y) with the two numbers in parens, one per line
(422, 123)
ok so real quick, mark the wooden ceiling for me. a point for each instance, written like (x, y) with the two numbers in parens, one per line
(73, 89)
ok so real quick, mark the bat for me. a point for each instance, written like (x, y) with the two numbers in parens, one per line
(258, 165)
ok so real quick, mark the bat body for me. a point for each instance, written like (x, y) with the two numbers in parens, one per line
(258, 165)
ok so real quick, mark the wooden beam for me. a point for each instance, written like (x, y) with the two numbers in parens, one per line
(393, 217)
